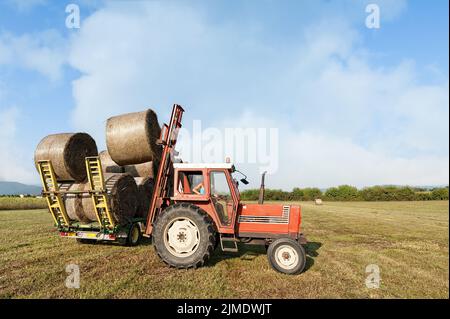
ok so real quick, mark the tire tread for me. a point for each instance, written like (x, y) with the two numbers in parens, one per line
(210, 229)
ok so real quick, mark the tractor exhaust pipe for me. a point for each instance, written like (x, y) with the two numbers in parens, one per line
(261, 189)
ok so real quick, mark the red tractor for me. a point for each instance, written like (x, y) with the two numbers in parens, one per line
(195, 207)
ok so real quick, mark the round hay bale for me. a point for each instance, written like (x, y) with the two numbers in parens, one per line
(123, 196)
(67, 152)
(145, 190)
(89, 213)
(108, 165)
(131, 138)
(76, 204)
(146, 170)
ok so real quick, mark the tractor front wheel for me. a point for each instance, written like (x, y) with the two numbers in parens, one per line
(184, 236)
(287, 256)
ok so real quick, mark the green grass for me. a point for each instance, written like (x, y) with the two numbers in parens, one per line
(407, 240)
(17, 203)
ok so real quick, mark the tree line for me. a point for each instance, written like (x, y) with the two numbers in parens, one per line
(351, 193)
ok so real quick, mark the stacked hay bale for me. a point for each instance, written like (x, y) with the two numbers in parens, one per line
(131, 138)
(147, 169)
(145, 190)
(141, 170)
(123, 199)
(131, 142)
(127, 166)
(143, 175)
(77, 204)
(67, 152)
(108, 165)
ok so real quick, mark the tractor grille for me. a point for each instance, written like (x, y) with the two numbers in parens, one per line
(284, 219)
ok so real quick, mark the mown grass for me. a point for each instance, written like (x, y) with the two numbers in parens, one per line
(407, 240)
(17, 203)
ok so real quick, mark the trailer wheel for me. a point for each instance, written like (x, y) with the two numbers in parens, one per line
(287, 256)
(184, 236)
(134, 235)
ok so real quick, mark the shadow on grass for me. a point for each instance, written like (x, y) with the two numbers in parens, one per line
(246, 252)
(144, 241)
(311, 249)
(250, 252)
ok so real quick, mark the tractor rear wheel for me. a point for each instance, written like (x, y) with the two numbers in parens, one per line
(286, 255)
(184, 236)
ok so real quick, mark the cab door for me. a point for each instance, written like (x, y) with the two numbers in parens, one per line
(222, 198)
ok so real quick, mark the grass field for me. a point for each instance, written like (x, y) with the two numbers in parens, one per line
(16, 203)
(407, 240)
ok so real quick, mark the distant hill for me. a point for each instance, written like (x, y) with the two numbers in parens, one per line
(14, 188)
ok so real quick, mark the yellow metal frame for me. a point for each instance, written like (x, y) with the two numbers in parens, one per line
(54, 200)
(98, 192)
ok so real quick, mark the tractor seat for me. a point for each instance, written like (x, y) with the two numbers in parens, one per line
(221, 211)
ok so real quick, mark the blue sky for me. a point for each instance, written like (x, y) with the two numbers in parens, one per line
(352, 105)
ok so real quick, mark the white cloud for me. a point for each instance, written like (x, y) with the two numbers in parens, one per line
(44, 52)
(325, 161)
(341, 119)
(12, 160)
(317, 159)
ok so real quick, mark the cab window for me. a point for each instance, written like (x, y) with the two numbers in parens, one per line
(191, 182)
(221, 197)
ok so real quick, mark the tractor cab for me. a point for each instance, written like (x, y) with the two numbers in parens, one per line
(212, 188)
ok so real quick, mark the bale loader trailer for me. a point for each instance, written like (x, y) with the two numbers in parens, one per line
(105, 228)
(185, 225)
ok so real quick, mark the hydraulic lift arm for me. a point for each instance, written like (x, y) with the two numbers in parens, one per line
(168, 140)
